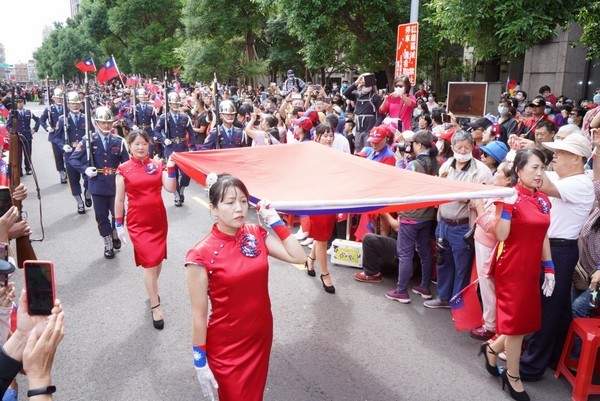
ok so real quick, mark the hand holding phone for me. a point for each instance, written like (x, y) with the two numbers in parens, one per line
(39, 285)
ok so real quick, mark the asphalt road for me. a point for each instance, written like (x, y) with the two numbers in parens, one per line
(355, 345)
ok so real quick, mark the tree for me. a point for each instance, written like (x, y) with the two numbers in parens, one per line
(500, 28)
(589, 20)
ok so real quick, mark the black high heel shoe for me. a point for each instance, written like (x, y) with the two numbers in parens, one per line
(330, 289)
(310, 272)
(158, 324)
(492, 370)
(515, 395)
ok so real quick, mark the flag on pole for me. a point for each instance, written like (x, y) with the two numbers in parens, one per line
(108, 71)
(466, 309)
(86, 66)
(176, 70)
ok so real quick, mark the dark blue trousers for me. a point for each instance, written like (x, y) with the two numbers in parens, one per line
(75, 177)
(543, 348)
(59, 158)
(103, 206)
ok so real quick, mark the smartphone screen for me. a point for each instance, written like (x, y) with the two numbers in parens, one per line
(39, 284)
(5, 200)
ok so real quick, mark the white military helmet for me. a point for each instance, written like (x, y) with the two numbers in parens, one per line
(227, 107)
(104, 114)
(73, 97)
(142, 95)
(58, 93)
(173, 99)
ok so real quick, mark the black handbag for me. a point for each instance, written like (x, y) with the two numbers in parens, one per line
(469, 237)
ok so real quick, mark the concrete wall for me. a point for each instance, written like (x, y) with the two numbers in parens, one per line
(557, 64)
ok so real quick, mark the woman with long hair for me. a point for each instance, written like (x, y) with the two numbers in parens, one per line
(142, 179)
(229, 270)
(399, 104)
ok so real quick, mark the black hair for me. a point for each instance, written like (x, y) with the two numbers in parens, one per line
(133, 135)
(321, 129)
(522, 92)
(436, 115)
(521, 159)
(218, 190)
(549, 125)
(426, 139)
(271, 121)
(426, 118)
(545, 88)
(332, 120)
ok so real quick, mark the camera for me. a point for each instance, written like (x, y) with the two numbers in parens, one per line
(403, 147)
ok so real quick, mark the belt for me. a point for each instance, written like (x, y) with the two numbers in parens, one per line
(459, 222)
(562, 242)
(107, 170)
(74, 144)
(178, 140)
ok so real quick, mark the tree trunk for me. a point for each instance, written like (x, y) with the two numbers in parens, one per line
(250, 51)
(437, 77)
(389, 73)
(323, 76)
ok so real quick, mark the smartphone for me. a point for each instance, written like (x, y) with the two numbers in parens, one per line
(446, 118)
(5, 200)
(370, 80)
(39, 284)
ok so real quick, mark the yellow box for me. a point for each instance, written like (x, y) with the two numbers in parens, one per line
(347, 253)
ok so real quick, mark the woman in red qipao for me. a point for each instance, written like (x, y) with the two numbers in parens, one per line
(142, 180)
(229, 268)
(522, 257)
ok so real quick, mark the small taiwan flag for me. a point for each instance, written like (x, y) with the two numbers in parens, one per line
(466, 309)
(86, 66)
(108, 71)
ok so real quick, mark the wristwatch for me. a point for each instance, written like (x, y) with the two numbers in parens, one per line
(41, 390)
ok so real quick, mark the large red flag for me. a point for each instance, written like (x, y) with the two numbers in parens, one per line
(108, 71)
(466, 309)
(86, 66)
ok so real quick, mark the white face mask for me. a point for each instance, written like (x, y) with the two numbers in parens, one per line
(430, 98)
(547, 110)
(228, 120)
(417, 112)
(463, 158)
(439, 145)
(398, 89)
(558, 105)
(519, 97)
(570, 121)
(366, 89)
(502, 110)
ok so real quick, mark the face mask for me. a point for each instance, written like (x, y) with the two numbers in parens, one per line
(558, 104)
(398, 89)
(417, 112)
(430, 98)
(334, 86)
(597, 99)
(228, 120)
(547, 111)
(290, 77)
(463, 158)
(439, 145)
(502, 110)
(519, 97)
(570, 121)
(366, 89)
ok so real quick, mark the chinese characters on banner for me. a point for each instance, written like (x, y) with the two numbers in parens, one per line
(406, 51)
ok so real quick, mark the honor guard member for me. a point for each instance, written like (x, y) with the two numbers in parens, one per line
(68, 135)
(49, 121)
(229, 136)
(126, 110)
(25, 133)
(174, 140)
(108, 151)
(145, 118)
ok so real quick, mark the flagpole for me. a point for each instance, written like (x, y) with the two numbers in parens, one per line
(119, 72)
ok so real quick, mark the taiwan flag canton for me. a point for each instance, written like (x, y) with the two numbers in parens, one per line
(465, 307)
(108, 71)
(86, 66)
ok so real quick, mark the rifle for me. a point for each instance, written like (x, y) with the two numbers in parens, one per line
(24, 249)
(134, 108)
(217, 116)
(49, 105)
(88, 124)
(166, 108)
(65, 117)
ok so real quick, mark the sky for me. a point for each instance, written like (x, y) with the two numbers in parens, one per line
(23, 22)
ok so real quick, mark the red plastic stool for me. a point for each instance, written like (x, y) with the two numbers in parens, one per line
(586, 364)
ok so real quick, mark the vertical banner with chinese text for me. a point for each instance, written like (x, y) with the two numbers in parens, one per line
(406, 51)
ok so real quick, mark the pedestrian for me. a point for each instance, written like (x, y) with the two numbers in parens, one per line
(68, 135)
(522, 226)
(229, 268)
(108, 151)
(368, 103)
(49, 120)
(142, 180)
(25, 134)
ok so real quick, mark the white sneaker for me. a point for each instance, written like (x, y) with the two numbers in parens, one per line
(330, 250)
(307, 241)
(301, 235)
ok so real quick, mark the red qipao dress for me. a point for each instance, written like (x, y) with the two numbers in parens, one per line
(240, 326)
(519, 265)
(146, 215)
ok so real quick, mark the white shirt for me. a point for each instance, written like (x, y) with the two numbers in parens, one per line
(570, 211)
(340, 142)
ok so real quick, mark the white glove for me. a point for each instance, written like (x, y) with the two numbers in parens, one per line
(122, 233)
(168, 142)
(207, 381)
(548, 286)
(268, 213)
(510, 200)
(50, 130)
(67, 149)
(91, 172)
(134, 127)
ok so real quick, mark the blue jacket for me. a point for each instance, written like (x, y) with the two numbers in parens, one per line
(102, 184)
(179, 127)
(236, 140)
(23, 122)
(76, 132)
(49, 119)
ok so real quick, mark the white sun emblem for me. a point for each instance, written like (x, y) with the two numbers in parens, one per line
(197, 356)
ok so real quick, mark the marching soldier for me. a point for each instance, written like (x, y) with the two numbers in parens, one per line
(229, 136)
(49, 121)
(25, 134)
(145, 117)
(68, 135)
(174, 139)
(108, 151)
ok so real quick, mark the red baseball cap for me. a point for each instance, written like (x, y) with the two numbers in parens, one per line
(447, 135)
(379, 133)
(304, 123)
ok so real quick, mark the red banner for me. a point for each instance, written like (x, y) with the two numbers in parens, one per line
(406, 51)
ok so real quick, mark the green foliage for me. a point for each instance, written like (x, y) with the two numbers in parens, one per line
(589, 20)
(500, 28)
